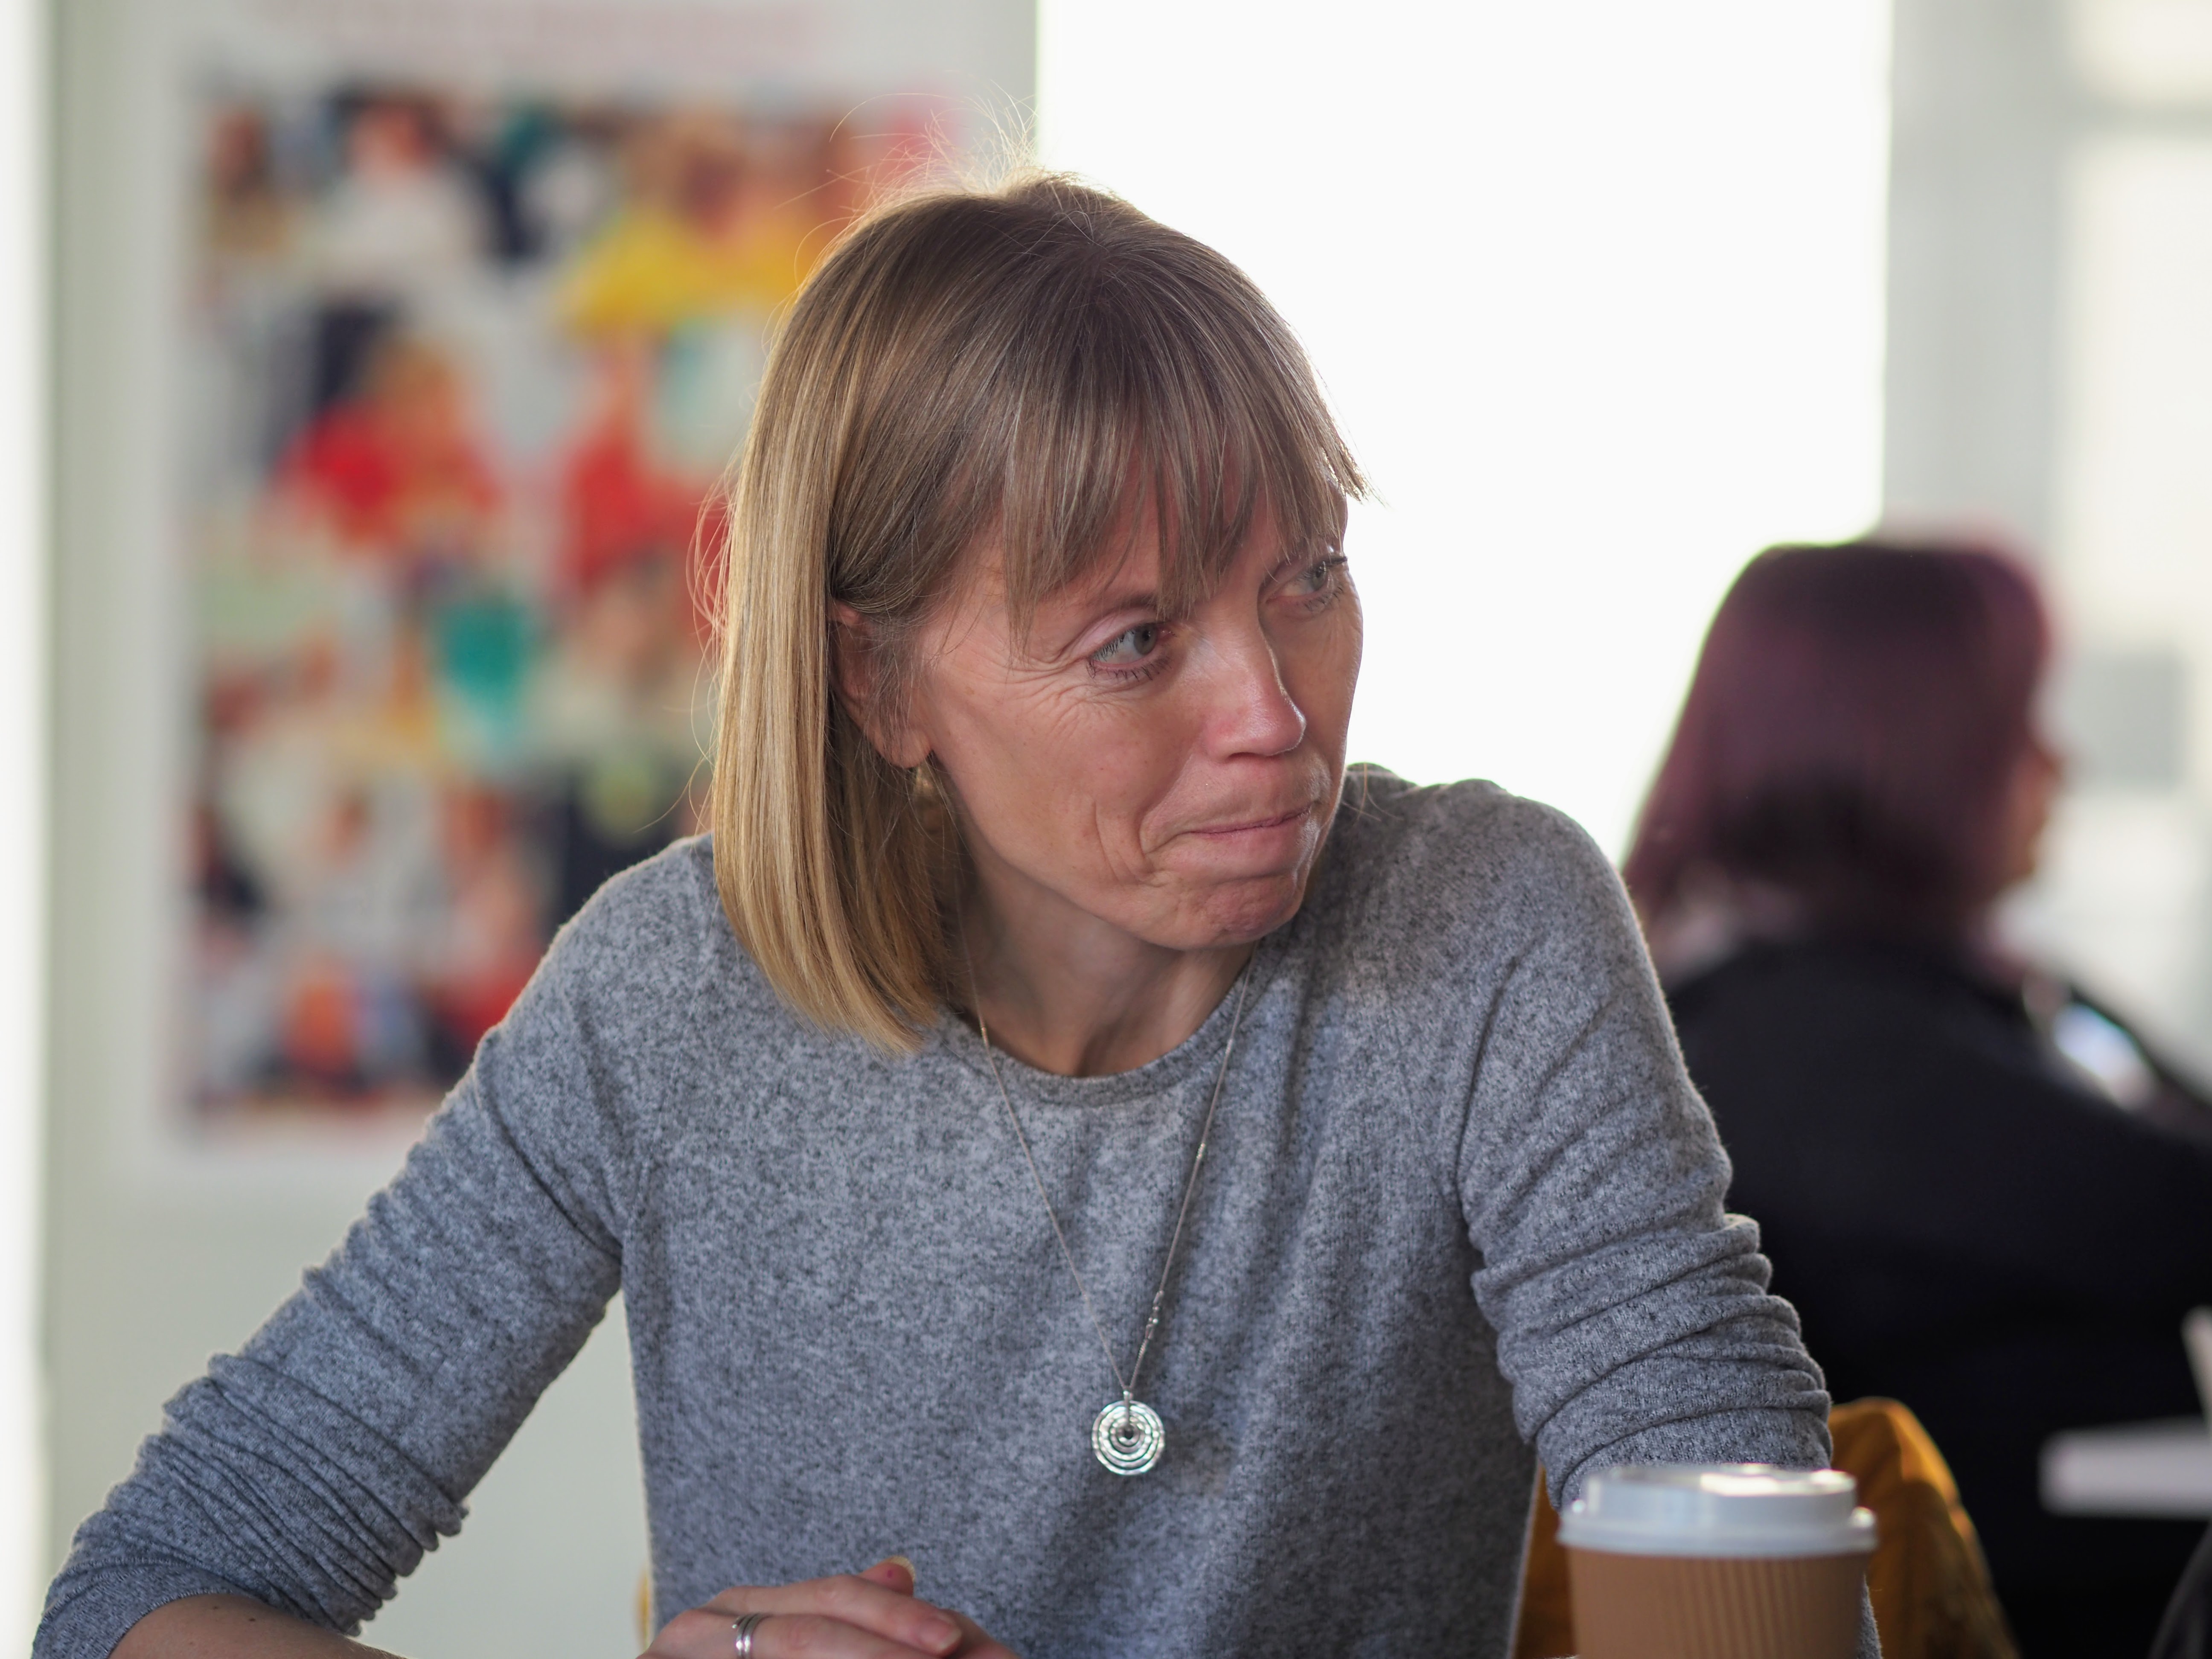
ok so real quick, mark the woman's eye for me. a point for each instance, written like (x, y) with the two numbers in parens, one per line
(1319, 576)
(1129, 648)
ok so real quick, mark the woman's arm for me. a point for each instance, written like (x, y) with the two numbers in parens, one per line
(868, 1615)
(1632, 1315)
(311, 1470)
(233, 1627)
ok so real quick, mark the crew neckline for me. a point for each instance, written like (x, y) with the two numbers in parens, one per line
(1199, 1052)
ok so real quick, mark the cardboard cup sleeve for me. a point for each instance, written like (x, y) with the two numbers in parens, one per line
(1717, 1561)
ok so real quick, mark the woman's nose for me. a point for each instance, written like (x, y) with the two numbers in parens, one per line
(1256, 714)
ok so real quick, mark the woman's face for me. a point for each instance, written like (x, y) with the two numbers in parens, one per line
(2029, 796)
(1173, 779)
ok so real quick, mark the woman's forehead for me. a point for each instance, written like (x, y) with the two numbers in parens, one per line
(1140, 560)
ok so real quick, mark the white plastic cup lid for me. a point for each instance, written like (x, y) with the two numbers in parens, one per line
(1718, 1509)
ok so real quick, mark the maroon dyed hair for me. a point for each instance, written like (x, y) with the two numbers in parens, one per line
(1851, 736)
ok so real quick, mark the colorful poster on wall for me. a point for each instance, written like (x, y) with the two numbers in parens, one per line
(463, 370)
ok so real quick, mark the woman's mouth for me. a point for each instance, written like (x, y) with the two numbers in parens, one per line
(1254, 826)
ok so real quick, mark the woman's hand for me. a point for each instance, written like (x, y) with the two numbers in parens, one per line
(862, 1616)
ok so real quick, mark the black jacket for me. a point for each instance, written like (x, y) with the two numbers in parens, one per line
(1966, 1228)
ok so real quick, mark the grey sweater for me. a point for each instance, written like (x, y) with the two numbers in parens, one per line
(1461, 1198)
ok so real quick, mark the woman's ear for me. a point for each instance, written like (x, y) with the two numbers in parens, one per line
(854, 662)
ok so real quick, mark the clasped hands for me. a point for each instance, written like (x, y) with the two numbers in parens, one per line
(861, 1615)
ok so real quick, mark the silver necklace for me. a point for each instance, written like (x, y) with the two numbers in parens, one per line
(1126, 1435)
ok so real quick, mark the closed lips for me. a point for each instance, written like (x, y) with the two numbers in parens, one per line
(1275, 822)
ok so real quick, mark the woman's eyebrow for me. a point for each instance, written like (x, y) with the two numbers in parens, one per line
(1088, 607)
(1133, 598)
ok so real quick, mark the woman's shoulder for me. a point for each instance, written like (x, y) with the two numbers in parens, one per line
(657, 903)
(654, 937)
(1456, 861)
(1470, 835)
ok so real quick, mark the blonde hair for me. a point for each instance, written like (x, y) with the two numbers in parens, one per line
(1039, 364)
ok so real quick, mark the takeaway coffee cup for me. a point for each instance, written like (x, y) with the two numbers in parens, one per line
(1717, 1561)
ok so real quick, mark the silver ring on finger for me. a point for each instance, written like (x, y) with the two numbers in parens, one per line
(742, 1629)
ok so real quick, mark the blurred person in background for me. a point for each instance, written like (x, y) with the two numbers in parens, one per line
(1986, 1198)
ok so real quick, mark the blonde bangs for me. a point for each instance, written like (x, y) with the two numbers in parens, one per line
(1133, 414)
(1040, 365)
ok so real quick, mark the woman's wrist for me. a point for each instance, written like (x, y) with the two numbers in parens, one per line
(233, 1627)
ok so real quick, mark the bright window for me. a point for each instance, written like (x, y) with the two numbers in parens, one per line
(1597, 288)
(2126, 901)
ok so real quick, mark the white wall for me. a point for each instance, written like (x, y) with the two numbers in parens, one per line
(22, 796)
(1596, 286)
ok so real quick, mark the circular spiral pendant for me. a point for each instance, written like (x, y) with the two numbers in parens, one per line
(1128, 1437)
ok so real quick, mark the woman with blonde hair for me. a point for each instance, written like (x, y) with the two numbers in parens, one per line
(1059, 1134)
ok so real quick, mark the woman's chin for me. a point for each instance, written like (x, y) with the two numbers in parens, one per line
(1237, 912)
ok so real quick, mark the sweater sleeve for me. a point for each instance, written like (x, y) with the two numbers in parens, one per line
(1632, 1315)
(312, 1468)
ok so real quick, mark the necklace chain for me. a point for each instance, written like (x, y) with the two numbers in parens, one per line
(1128, 1384)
